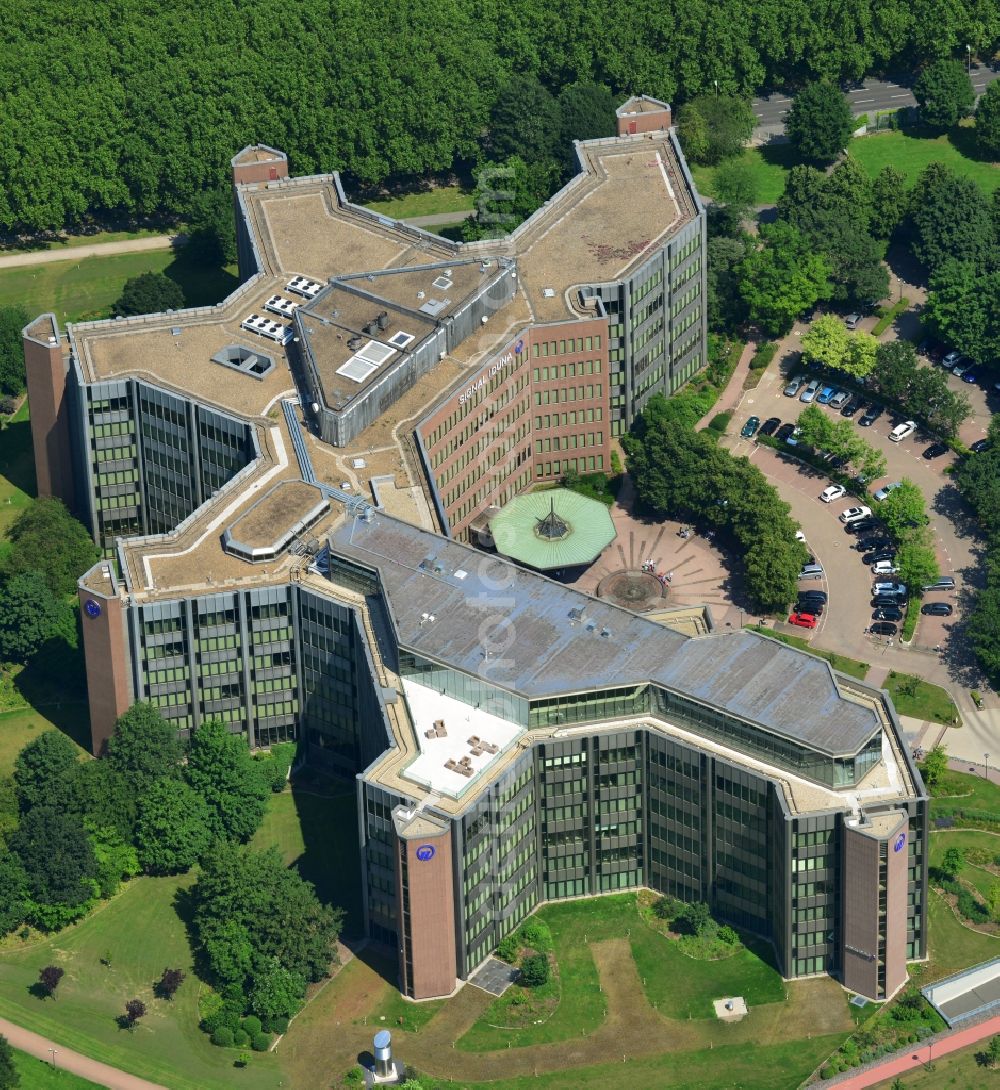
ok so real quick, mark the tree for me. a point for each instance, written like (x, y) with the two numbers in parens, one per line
(104, 797)
(819, 123)
(31, 616)
(888, 201)
(115, 858)
(988, 122)
(993, 1052)
(9, 1077)
(935, 765)
(48, 979)
(944, 93)
(861, 355)
(984, 630)
(850, 187)
(737, 186)
(895, 366)
(173, 829)
(950, 217)
(211, 235)
(917, 564)
(275, 992)
(726, 308)
(134, 1010)
(12, 321)
(903, 510)
(714, 127)
(963, 309)
(32, 538)
(825, 342)
(694, 918)
(526, 122)
(507, 193)
(15, 901)
(586, 112)
(535, 970)
(148, 293)
(58, 861)
(144, 747)
(169, 982)
(952, 862)
(782, 278)
(222, 771)
(44, 768)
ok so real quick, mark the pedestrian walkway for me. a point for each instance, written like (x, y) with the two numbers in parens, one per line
(93, 249)
(732, 395)
(911, 1060)
(68, 1060)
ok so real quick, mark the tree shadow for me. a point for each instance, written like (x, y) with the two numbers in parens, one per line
(780, 153)
(17, 460)
(38, 990)
(203, 285)
(949, 502)
(54, 684)
(184, 906)
(963, 139)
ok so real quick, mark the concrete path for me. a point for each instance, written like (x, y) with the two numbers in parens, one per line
(733, 393)
(95, 249)
(68, 1060)
(912, 1060)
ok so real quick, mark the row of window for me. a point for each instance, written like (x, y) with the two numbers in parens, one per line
(569, 465)
(567, 370)
(569, 345)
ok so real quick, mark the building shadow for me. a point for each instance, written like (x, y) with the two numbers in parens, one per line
(17, 461)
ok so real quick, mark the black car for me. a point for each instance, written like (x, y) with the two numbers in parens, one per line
(880, 554)
(887, 613)
(851, 406)
(979, 446)
(883, 601)
(883, 628)
(785, 431)
(818, 595)
(937, 609)
(871, 544)
(770, 426)
(871, 415)
(935, 450)
(861, 526)
(810, 605)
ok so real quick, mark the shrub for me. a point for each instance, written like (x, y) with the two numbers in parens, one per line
(728, 935)
(279, 1024)
(980, 857)
(260, 1042)
(252, 1025)
(241, 1038)
(508, 948)
(223, 1037)
(763, 356)
(536, 935)
(720, 422)
(535, 970)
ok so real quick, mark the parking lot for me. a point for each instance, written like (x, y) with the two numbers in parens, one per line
(848, 581)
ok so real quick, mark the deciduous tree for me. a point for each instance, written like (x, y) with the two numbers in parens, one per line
(58, 862)
(950, 217)
(782, 278)
(45, 538)
(144, 746)
(48, 979)
(952, 861)
(917, 564)
(44, 769)
(149, 293)
(9, 1077)
(222, 771)
(888, 201)
(988, 121)
(944, 93)
(173, 830)
(819, 123)
(714, 127)
(935, 765)
(903, 510)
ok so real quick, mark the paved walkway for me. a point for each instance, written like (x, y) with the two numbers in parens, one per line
(69, 1060)
(910, 1061)
(437, 219)
(93, 249)
(733, 393)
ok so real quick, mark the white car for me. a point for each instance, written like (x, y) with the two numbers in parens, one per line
(852, 514)
(884, 567)
(901, 431)
(834, 492)
(884, 491)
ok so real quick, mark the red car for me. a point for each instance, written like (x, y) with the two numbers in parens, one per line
(803, 620)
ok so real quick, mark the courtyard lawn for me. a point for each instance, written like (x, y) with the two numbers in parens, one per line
(425, 202)
(39, 1075)
(977, 875)
(78, 290)
(769, 165)
(920, 699)
(143, 932)
(968, 791)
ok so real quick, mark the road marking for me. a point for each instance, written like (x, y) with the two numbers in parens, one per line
(862, 101)
(906, 95)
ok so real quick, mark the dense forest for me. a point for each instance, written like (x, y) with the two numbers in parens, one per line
(132, 109)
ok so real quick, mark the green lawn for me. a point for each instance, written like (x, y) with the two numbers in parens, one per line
(981, 878)
(143, 932)
(17, 729)
(853, 667)
(953, 946)
(956, 1071)
(425, 202)
(968, 790)
(920, 699)
(39, 1075)
(770, 164)
(77, 290)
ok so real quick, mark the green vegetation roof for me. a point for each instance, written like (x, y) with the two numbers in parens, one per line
(553, 529)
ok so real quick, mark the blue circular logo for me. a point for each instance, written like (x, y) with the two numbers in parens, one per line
(899, 842)
(91, 608)
(519, 347)
(425, 853)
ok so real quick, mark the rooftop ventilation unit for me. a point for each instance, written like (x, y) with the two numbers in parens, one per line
(605, 632)
(461, 574)
(427, 564)
(355, 343)
(383, 319)
(576, 613)
(549, 293)
(303, 286)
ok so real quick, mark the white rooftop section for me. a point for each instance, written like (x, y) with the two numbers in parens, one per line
(967, 994)
(473, 740)
(366, 361)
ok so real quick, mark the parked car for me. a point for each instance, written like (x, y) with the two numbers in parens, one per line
(852, 320)
(968, 376)
(886, 489)
(811, 571)
(852, 514)
(880, 601)
(961, 369)
(819, 595)
(946, 582)
(937, 609)
(949, 359)
(872, 413)
(979, 446)
(785, 431)
(796, 384)
(749, 429)
(877, 555)
(902, 431)
(809, 393)
(883, 628)
(826, 395)
(890, 587)
(803, 620)
(887, 613)
(840, 399)
(851, 406)
(862, 526)
(884, 567)
(868, 544)
(792, 439)
(833, 492)
(810, 605)
(770, 425)
(935, 450)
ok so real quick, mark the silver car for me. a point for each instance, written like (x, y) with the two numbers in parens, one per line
(809, 393)
(792, 389)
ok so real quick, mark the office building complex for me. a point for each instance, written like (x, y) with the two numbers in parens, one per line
(285, 487)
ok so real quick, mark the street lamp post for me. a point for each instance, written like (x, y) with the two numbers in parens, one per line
(716, 82)
(968, 53)
(53, 1052)
(986, 756)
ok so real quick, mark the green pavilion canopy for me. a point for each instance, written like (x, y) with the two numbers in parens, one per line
(553, 529)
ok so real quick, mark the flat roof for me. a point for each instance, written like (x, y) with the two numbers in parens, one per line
(966, 994)
(549, 639)
(286, 504)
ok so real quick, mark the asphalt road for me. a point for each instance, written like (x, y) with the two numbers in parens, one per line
(871, 95)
